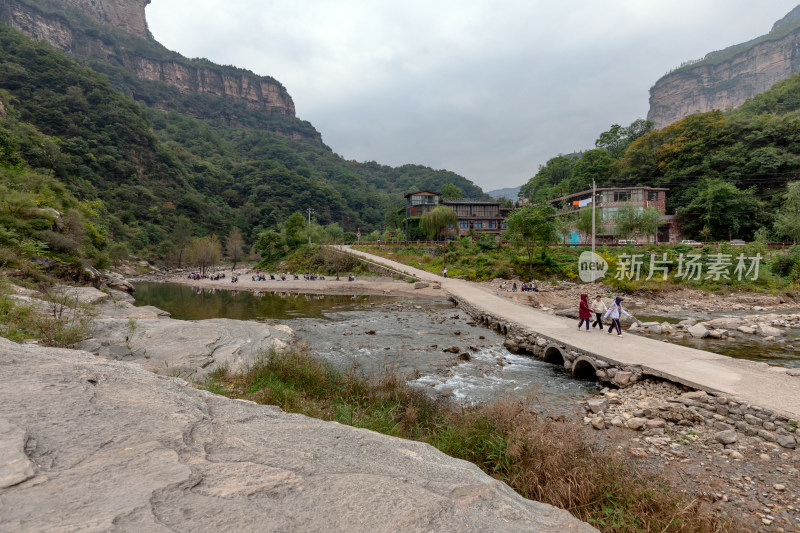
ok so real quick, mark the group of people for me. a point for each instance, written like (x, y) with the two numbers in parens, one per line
(198, 276)
(525, 287)
(600, 310)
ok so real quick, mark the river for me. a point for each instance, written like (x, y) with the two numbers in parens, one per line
(380, 333)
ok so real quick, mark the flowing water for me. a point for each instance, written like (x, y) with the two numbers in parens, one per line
(379, 333)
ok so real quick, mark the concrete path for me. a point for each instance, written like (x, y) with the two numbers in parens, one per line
(746, 381)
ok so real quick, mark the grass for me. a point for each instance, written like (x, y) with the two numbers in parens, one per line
(541, 459)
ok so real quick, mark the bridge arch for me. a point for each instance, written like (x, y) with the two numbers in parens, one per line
(553, 354)
(584, 368)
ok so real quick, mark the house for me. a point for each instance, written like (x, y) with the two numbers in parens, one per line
(474, 216)
(610, 200)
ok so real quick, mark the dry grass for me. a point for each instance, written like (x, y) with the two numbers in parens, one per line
(541, 459)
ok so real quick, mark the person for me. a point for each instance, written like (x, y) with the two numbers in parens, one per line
(444, 272)
(514, 288)
(614, 312)
(584, 313)
(599, 307)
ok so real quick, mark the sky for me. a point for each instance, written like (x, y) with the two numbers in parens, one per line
(488, 89)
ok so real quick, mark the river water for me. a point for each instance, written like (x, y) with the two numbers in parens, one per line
(380, 333)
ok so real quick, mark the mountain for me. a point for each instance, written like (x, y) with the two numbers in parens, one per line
(151, 136)
(724, 79)
(510, 192)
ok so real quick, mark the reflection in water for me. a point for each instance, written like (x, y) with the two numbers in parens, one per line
(379, 333)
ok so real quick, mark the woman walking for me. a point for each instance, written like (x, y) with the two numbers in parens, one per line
(599, 307)
(584, 313)
(614, 312)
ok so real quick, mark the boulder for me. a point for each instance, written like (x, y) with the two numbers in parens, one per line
(622, 379)
(598, 405)
(787, 441)
(636, 423)
(726, 437)
(768, 331)
(689, 322)
(747, 330)
(189, 348)
(422, 285)
(598, 422)
(116, 447)
(698, 331)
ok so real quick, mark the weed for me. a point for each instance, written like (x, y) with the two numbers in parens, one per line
(541, 459)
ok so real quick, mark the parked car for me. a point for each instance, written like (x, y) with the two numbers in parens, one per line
(690, 242)
(737, 242)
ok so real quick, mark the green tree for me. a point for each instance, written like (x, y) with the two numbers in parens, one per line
(267, 242)
(205, 252)
(182, 235)
(628, 221)
(617, 139)
(547, 183)
(452, 191)
(593, 165)
(649, 223)
(234, 245)
(720, 211)
(435, 222)
(294, 227)
(531, 226)
(118, 252)
(334, 232)
(584, 221)
(787, 221)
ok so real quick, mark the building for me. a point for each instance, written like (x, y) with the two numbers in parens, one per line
(474, 216)
(610, 200)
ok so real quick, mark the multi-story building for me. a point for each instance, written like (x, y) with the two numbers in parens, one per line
(610, 200)
(479, 216)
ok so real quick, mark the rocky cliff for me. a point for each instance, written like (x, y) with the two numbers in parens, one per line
(726, 78)
(116, 31)
(94, 445)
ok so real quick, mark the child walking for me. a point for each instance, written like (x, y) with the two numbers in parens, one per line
(584, 313)
(614, 312)
(599, 307)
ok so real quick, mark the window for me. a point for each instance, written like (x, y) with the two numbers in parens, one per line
(492, 224)
(610, 213)
(504, 225)
(622, 196)
(463, 224)
(478, 224)
(652, 196)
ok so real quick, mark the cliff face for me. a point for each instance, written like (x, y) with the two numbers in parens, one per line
(725, 79)
(50, 20)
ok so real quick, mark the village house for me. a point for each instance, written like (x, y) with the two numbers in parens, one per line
(474, 216)
(609, 201)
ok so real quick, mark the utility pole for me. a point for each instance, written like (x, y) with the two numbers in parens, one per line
(309, 225)
(594, 201)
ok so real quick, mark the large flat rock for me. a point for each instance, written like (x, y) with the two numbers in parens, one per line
(111, 446)
(188, 349)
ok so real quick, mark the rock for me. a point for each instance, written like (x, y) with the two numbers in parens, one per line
(726, 437)
(694, 395)
(638, 452)
(763, 457)
(370, 332)
(598, 422)
(687, 323)
(717, 333)
(636, 423)
(768, 331)
(656, 423)
(622, 379)
(15, 467)
(634, 327)
(189, 348)
(748, 330)
(452, 349)
(779, 487)
(766, 435)
(597, 405)
(422, 285)
(787, 441)
(734, 455)
(465, 356)
(116, 447)
(698, 331)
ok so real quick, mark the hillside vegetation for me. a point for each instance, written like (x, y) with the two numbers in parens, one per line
(145, 169)
(735, 165)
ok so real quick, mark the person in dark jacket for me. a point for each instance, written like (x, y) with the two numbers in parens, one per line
(584, 313)
(615, 312)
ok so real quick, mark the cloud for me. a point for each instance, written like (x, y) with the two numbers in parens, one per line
(487, 89)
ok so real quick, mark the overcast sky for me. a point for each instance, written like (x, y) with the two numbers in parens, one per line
(490, 90)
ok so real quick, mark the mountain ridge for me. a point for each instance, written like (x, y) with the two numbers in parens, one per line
(725, 79)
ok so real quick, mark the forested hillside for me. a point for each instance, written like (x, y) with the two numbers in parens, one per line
(148, 167)
(735, 164)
